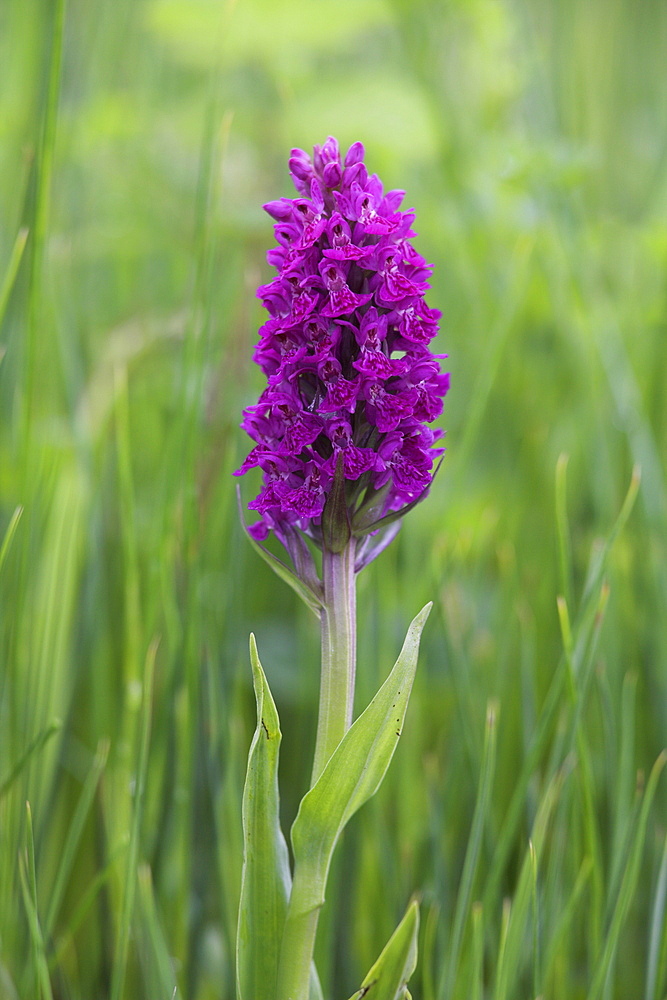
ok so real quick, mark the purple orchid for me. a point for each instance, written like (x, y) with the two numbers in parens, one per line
(341, 431)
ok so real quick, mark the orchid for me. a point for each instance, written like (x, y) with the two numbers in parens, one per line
(351, 381)
(342, 439)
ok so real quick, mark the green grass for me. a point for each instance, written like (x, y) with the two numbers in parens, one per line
(138, 140)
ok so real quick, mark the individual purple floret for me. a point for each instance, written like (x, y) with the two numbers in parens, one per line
(341, 431)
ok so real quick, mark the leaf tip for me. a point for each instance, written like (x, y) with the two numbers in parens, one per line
(257, 672)
(267, 713)
(420, 620)
(412, 912)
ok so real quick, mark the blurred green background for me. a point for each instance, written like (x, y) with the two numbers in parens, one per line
(138, 140)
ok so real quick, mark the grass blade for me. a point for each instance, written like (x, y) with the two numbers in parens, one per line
(28, 877)
(472, 851)
(165, 978)
(9, 534)
(122, 943)
(12, 271)
(657, 924)
(513, 938)
(477, 992)
(628, 883)
(563, 530)
(500, 991)
(74, 835)
(43, 180)
(36, 745)
(85, 903)
(565, 918)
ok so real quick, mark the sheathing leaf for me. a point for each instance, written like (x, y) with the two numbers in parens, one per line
(265, 882)
(389, 975)
(352, 775)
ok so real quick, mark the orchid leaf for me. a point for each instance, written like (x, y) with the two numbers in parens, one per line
(336, 530)
(370, 553)
(265, 882)
(365, 525)
(306, 593)
(351, 776)
(371, 508)
(388, 977)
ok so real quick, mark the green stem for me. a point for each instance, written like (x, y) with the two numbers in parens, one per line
(338, 621)
(339, 653)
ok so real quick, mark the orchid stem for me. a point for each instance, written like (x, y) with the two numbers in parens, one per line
(339, 653)
(295, 970)
(339, 639)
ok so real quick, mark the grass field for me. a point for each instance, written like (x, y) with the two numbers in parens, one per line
(138, 140)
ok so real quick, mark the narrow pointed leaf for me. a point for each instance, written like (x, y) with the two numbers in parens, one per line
(372, 507)
(265, 880)
(336, 530)
(364, 525)
(306, 593)
(352, 775)
(388, 978)
(370, 554)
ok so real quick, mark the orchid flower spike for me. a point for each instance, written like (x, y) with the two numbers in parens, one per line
(341, 430)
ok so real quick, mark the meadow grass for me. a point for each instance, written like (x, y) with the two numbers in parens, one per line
(524, 806)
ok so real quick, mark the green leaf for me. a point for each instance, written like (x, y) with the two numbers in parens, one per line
(388, 977)
(310, 597)
(336, 530)
(266, 879)
(352, 775)
(363, 525)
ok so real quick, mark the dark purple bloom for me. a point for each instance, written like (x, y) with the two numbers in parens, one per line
(352, 383)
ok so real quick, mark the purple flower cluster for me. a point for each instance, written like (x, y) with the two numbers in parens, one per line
(352, 383)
